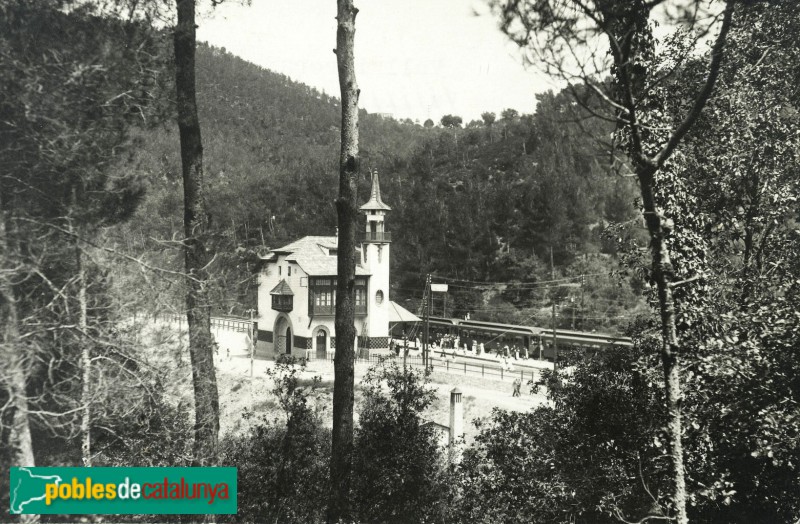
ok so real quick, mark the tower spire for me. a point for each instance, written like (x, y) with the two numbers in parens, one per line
(375, 203)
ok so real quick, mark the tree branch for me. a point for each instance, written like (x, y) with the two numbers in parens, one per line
(705, 92)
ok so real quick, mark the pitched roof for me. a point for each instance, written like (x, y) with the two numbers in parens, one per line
(375, 202)
(282, 289)
(313, 255)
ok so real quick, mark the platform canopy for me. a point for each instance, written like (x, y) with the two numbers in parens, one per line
(398, 313)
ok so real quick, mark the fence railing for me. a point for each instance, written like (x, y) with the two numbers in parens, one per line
(487, 371)
(230, 323)
(377, 236)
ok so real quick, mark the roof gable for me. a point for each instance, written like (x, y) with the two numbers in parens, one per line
(282, 289)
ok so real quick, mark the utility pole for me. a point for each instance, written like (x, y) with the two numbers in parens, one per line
(572, 301)
(427, 313)
(583, 288)
(251, 342)
(555, 338)
(427, 323)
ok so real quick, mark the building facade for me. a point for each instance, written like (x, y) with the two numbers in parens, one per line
(297, 290)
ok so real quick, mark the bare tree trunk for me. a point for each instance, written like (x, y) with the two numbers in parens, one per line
(12, 357)
(347, 212)
(86, 360)
(197, 257)
(86, 353)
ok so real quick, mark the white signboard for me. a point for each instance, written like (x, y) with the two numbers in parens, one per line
(439, 288)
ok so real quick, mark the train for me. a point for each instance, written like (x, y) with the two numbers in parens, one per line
(538, 341)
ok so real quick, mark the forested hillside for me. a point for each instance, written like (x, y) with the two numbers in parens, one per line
(484, 203)
(525, 216)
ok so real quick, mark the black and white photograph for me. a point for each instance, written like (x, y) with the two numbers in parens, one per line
(400, 261)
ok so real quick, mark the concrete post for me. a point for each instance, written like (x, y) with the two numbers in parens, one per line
(456, 424)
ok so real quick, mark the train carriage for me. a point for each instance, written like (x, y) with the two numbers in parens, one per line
(538, 341)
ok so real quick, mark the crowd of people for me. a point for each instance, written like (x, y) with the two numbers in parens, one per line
(450, 346)
(452, 343)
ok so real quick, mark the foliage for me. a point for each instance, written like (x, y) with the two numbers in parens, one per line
(156, 435)
(451, 121)
(733, 192)
(594, 454)
(569, 38)
(282, 464)
(146, 432)
(76, 81)
(64, 140)
(398, 467)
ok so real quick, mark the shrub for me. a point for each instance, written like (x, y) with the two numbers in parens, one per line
(399, 468)
(282, 463)
(595, 454)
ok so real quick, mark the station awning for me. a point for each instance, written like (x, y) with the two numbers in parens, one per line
(398, 313)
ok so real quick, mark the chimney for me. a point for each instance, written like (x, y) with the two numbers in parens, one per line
(456, 423)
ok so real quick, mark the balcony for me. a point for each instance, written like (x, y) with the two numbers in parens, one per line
(283, 303)
(316, 310)
(329, 311)
(376, 236)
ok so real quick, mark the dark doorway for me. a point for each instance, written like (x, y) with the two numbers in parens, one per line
(288, 341)
(322, 345)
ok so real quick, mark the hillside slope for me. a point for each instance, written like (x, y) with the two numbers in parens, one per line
(487, 202)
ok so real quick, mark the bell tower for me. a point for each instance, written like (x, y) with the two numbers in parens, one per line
(375, 250)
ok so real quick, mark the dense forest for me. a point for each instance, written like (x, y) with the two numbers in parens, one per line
(494, 201)
(655, 196)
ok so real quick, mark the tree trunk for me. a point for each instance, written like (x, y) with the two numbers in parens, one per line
(86, 360)
(646, 169)
(12, 355)
(347, 213)
(197, 257)
(662, 274)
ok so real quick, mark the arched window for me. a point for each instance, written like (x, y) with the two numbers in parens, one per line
(379, 297)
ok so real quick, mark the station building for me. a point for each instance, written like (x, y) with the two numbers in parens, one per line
(297, 290)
